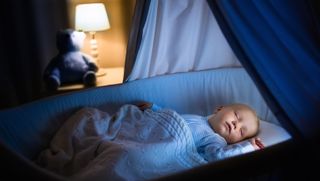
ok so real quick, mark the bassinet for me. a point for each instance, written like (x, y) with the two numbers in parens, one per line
(28, 129)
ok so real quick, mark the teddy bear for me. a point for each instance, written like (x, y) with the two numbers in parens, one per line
(70, 65)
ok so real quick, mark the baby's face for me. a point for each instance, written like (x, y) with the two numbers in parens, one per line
(235, 123)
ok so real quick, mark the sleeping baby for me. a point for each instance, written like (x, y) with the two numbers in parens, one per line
(92, 144)
(215, 135)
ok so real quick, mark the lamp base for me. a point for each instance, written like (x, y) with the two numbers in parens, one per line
(101, 72)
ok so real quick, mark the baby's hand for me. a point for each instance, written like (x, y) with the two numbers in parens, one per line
(256, 143)
(144, 105)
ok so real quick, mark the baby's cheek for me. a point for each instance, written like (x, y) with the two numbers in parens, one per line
(234, 138)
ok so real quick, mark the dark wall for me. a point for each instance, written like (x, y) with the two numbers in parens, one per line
(27, 44)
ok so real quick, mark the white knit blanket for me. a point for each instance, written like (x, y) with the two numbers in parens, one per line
(129, 145)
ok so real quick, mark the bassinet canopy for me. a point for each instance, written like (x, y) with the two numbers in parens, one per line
(276, 41)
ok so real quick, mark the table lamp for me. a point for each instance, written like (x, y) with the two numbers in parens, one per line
(91, 18)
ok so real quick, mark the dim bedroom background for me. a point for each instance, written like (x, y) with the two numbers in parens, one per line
(193, 56)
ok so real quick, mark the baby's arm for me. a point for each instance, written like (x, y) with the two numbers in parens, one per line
(217, 148)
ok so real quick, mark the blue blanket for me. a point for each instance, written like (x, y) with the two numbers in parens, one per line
(128, 145)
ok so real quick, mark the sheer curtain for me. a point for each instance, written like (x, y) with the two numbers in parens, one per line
(27, 44)
(180, 36)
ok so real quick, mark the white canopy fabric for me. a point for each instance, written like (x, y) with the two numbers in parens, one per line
(181, 36)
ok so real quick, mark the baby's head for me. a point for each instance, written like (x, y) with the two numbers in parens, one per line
(235, 122)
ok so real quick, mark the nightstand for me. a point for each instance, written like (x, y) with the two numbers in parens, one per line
(113, 76)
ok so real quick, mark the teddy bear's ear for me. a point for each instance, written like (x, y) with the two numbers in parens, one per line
(62, 40)
(79, 37)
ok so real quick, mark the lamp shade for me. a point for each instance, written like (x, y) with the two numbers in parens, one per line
(91, 17)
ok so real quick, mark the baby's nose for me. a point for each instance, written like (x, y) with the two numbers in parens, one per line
(234, 123)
